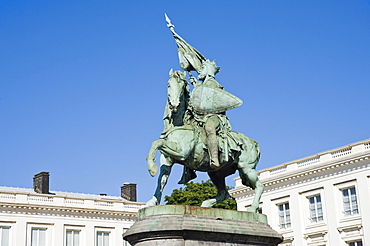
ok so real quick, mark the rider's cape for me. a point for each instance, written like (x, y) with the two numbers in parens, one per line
(205, 100)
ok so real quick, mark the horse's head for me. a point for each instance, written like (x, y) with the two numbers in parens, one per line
(177, 85)
(208, 68)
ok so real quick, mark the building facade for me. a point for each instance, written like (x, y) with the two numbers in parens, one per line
(319, 200)
(30, 218)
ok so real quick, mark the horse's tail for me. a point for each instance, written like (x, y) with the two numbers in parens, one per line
(152, 166)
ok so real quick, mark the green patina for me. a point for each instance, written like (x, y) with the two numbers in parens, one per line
(186, 210)
(197, 134)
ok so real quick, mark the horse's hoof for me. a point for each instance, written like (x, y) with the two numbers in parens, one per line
(208, 203)
(152, 202)
(252, 209)
(152, 168)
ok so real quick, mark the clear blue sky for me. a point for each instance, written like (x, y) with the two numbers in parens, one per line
(83, 83)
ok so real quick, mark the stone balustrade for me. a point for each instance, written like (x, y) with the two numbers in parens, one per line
(19, 196)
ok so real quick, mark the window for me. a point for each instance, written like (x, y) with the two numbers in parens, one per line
(313, 201)
(39, 234)
(102, 238)
(350, 206)
(316, 214)
(4, 235)
(72, 238)
(38, 237)
(284, 215)
(356, 243)
(350, 201)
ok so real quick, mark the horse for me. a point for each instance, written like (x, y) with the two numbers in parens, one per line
(184, 145)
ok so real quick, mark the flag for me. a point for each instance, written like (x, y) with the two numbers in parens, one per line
(190, 58)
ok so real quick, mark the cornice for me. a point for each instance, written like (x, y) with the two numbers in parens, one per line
(306, 175)
(32, 209)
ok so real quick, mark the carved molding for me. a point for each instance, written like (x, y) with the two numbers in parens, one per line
(316, 237)
(66, 212)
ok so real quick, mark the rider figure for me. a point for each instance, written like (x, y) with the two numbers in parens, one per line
(213, 123)
(216, 100)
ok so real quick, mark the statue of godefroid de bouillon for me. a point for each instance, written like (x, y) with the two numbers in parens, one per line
(197, 134)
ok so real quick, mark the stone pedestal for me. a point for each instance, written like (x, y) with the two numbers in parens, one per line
(179, 225)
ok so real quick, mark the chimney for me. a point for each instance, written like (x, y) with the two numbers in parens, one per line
(41, 183)
(128, 192)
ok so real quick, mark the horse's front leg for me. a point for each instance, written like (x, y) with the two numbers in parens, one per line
(165, 170)
(152, 166)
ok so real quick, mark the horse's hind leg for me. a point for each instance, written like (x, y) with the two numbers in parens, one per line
(248, 161)
(222, 194)
(187, 175)
(165, 170)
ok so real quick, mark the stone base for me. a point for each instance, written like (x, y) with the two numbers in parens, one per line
(179, 225)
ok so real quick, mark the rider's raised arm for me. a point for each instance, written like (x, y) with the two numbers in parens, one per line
(193, 80)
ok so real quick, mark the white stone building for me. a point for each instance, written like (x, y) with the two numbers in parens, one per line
(322, 199)
(29, 218)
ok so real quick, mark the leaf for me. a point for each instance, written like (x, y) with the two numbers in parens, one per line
(195, 193)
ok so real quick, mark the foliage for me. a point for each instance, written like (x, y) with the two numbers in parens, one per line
(195, 193)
